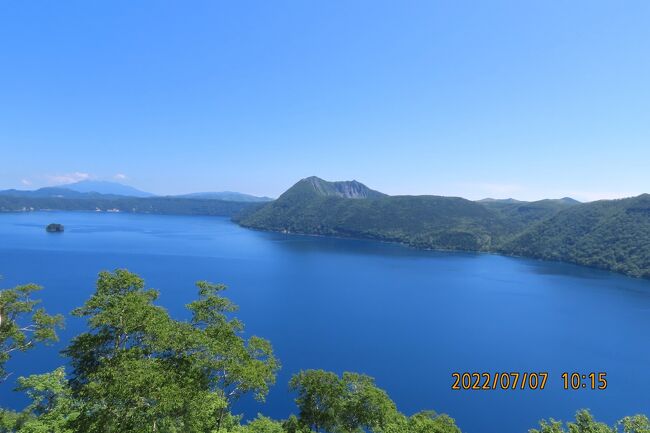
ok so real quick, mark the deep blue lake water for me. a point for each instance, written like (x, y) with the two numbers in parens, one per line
(409, 318)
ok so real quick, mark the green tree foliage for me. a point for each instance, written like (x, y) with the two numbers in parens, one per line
(261, 424)
(354, 404)
(585, 423)
(22, 323)
(364, 405)
(319, 398)
(635, 424)
(9, 421)
(51, 409)
(138, 370)
(431, 422)
(236, 366)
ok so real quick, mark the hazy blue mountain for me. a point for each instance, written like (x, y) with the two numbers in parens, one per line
(52, 192)
(566, 200)
(227, 196)
(105, 187)
(499, 200)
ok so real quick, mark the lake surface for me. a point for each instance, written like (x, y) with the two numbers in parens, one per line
(409, 318)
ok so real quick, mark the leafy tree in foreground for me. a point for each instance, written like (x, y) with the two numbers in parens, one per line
(235, 366)
(138, 370)
(51, 409)
(320, 398)
(585, 423)
(354, 404)
(431, 422)
(261, 424)
(635, 424)
(365, 406)
(22, 323)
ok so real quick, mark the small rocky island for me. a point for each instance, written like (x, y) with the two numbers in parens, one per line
(54, 228)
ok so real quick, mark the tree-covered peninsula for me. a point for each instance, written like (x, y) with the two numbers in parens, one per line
(608, 234)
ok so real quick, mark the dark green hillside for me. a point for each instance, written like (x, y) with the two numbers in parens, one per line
(312, 207)
(156, 205)
(609, 234)
(518, 215)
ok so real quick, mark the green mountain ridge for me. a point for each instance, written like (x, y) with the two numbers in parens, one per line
(609, 234)
(519, 215)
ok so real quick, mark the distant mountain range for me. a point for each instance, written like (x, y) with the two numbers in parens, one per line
(609, 234)
(83, 189)
(115, 197)
(105, 187)
(227, 196)
(98, 189)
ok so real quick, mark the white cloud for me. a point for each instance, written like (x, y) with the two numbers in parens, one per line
(62, 179)
(26, 182)
(120, 176)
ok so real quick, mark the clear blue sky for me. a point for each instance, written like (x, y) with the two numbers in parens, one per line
(528, 99)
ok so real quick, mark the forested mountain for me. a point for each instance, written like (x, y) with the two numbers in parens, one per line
(612, 235)
(518, 215)
(314, 206)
